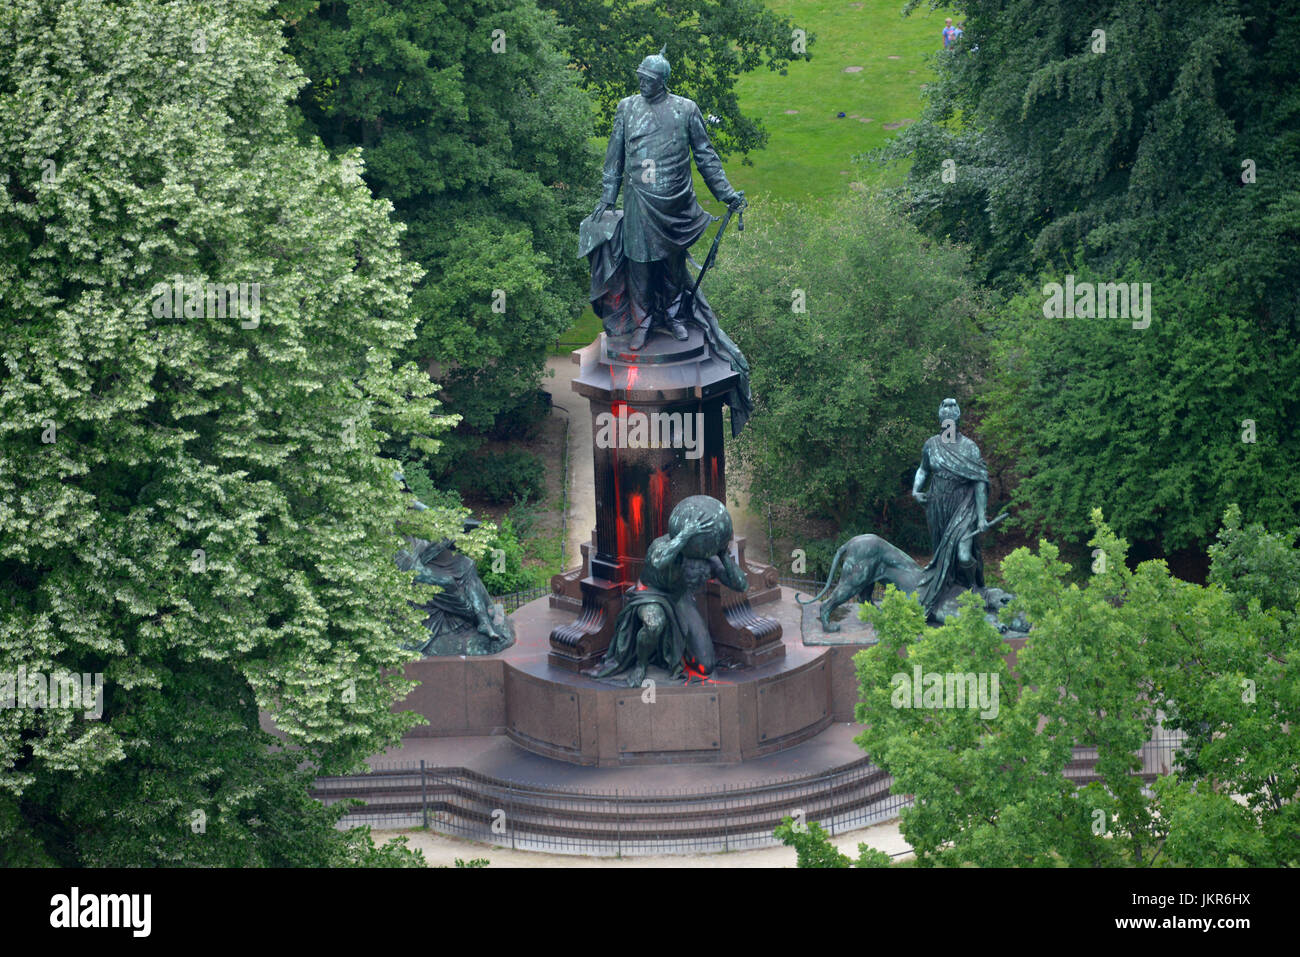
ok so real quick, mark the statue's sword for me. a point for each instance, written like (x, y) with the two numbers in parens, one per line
(713, 250)
(999, 517)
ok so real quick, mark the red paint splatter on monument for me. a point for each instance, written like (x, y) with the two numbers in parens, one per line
(658, 498)
(693, 671)
(634, 503)
(713, 473)
(620, 529)
(620, 525)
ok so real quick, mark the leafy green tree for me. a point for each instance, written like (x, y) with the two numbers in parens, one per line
(474, 128)
(856, 327)
(1234, 801)
(1115, 128)
(710, 43)
(1174, 426)
(1155, 142)
(1104, 667)
(192, 502)
(813, 848)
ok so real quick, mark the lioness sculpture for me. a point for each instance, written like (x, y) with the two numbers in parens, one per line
(869, 559)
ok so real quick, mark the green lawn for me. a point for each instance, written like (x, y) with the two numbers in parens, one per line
(809, 152)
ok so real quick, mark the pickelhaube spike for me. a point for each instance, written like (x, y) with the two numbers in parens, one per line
(656, 65)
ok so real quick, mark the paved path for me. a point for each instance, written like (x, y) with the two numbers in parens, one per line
(582, 481)
(442, 850)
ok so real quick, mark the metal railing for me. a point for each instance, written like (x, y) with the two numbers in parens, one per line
(619, 822)
(517, 599)
(625, 822)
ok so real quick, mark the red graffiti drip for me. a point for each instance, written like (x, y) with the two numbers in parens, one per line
(622, 533)
(658, 497)
(620, 527)
(634, 508)
(713, 471)
(616, 467)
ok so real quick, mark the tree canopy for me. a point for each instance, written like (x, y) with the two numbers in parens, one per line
(474, 128)
(192, 502)
(709, 43)
(856, 326)
(1106, 665)
(1150, 142)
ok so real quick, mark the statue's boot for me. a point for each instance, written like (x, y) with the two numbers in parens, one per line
(679, 330)
(639, 337)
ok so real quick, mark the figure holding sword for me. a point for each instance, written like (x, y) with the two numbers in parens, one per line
(955, 508)
(639, 280)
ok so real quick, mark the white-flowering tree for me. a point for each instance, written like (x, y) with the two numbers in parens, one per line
(200, 318)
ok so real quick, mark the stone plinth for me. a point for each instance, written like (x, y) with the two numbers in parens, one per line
(638, 484)
(742, 712)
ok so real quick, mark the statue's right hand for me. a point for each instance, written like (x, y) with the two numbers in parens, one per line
(600, 208)
(697, 524)
(920, 497)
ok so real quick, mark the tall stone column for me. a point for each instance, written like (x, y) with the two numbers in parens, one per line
(638, 481)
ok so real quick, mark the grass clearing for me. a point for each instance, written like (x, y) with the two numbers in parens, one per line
(809, 155)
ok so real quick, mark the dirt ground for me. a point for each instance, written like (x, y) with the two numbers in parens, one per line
(442, 851)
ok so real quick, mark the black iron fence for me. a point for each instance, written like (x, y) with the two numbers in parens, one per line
(517, 599)
(619, 822)
(626, 822)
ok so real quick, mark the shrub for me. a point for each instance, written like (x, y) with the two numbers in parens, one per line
(505, 476)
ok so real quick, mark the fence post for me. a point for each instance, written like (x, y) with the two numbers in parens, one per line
(424, 797)
(726, 820)
(618, 823)
(510, 803)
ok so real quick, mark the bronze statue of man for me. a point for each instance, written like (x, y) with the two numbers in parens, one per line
(955, 508)
(649, 157)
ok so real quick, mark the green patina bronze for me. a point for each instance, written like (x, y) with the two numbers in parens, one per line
(659, 623)
(461, 617)
(955, 507)
(955, 511)
(639, 279)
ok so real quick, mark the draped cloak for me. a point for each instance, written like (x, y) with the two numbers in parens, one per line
(453, 609)
(956, 469)
(649, 156)
(600, 239)
(666, 584)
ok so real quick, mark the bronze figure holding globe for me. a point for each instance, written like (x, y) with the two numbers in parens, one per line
(660, 622)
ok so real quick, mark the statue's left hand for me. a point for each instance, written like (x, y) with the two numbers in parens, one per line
(984, 523)
(737, 202)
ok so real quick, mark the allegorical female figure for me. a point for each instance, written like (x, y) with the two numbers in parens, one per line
(955, 508)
